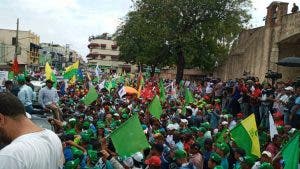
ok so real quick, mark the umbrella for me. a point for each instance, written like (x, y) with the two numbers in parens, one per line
(289, 62)
(130, 90)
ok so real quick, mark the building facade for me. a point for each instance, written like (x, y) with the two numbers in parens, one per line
(57, 55)
(105, 53)
(27, 52)
(258, 50)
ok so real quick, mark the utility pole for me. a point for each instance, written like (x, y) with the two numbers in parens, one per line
(17, 39)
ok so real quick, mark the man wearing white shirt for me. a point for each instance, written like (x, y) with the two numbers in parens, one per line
(48, 98)
(27, 145)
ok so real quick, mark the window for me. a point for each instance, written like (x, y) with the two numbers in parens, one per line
(114, 47)
(14, 41)
(103, 46)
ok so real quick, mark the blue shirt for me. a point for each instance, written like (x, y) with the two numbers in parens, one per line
(297, 102)
(224, 163)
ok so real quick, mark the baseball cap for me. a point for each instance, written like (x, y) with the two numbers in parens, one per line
(266, 166)
(267, 153)
(248, 160)
(93, 155)
(153, 161)
(72, 164)
(21, 78)
(128, 162)
(138, 157)
(215, 157)
(223, 147)
(289, 88)
(180, 154)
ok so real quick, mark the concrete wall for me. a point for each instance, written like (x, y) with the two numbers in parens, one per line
(25, 38)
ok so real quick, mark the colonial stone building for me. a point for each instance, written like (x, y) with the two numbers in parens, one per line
(258, 50)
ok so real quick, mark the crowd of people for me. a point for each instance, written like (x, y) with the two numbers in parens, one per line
(186, 136)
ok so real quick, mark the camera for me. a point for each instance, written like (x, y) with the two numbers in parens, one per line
(273, 75)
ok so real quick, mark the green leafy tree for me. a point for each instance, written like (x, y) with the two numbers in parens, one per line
(196, 33)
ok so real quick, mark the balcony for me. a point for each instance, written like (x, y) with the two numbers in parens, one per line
(93, 45)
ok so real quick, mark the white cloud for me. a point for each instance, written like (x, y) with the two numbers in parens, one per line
(73, 21)
(64, 21)
(259, 10)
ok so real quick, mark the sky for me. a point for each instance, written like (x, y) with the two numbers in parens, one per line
(73, 21)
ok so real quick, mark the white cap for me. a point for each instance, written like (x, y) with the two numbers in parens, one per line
(184, 121)
(188, 107)
(292, 130)
(176, 126)
(289, 88)
(116, 114)
(138, 157)
(224, 123)
(170, 127)
(128, 162)
(267, 153)
(72, 119)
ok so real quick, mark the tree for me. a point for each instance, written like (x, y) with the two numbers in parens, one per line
(196, 33)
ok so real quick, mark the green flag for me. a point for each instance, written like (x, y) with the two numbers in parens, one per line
(245, 136)
(70, 74)
(91, 96)
(54, 79)
(290, 153)
(71, 70)
(162, 92)
(129, 138)
(188, 96)
(155, 107)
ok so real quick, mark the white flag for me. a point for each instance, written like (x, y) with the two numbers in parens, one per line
(173, 90)
(122, 92)
(101, 85)
(273, 129)
(97, 70)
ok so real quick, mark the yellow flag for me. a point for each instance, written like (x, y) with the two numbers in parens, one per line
(72, 80)
(250, 125)
(48, 71)
(73, 66)
(245, 136)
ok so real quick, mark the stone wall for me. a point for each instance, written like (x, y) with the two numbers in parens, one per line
(188, 74)
(258, 50)
(248, 55)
